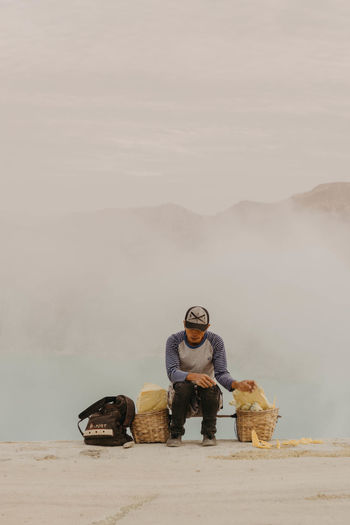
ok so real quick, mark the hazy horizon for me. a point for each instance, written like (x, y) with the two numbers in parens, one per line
(130, 104)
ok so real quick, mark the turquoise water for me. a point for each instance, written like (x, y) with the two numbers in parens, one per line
(43, 395)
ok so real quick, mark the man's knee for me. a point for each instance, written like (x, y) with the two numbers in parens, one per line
(210, 398)
(212, 392)
(183, 387)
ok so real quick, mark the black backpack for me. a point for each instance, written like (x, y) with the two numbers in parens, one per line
(108, 420)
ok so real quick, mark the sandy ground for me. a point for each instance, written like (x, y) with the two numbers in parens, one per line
(67, 482)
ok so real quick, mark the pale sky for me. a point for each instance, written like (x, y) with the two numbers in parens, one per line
(201, 103)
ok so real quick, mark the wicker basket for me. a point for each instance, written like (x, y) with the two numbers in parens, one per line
(263, 422)
(151, 427)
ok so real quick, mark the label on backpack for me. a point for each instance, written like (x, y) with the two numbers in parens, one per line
(99, 432)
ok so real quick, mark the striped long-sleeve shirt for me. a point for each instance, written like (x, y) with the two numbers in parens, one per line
(209, 357)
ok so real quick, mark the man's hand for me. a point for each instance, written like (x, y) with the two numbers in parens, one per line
(248, 385)
(202, 380)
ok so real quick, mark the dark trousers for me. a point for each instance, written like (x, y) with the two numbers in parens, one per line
(209, 401)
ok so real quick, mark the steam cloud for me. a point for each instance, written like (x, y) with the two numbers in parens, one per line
(88, 301)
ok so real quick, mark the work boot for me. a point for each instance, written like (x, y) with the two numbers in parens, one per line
(209, 440)
(174, 441)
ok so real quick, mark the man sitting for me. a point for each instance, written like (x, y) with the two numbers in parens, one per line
(194, 359)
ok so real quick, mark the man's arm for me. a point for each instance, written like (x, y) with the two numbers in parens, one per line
(172, 361)
(221, 372)
(220, 364)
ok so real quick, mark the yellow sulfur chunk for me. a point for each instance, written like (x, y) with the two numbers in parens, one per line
(257, 443)
(293, 442)
(255, 439)
(278, 444)
(265, 445)
(151, 398)
(249, 398)
(302, 441)
(255, 407)
(274, 403)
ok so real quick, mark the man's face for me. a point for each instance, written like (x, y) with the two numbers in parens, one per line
(195, 336)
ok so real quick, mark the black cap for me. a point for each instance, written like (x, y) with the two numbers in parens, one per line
(197, 317)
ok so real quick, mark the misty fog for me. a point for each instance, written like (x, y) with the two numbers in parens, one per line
(123, 126)
(88, 301)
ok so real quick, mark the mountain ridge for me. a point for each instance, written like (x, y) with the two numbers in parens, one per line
(328, 197)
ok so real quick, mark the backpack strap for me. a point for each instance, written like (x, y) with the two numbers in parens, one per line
(130, 411)
(95, 407)
(81, 432)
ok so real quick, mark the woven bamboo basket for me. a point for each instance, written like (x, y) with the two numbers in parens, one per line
(263, 422)
(151, 427)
